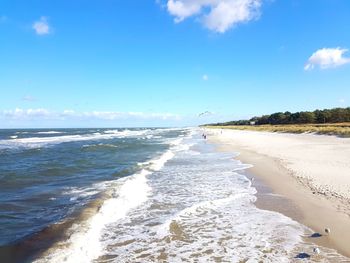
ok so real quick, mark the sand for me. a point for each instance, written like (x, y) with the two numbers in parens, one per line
(309, 173)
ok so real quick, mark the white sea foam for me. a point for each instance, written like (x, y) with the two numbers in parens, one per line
(50, 132)
(126, 194)
(35, 142)
(83, 244)
(176, 145)
(190, 211)
(157, 164)
(192, 152)
(76, 192)
(201, 210)
(100, 145)
(198, 208)
(126, 133)
(176, 141)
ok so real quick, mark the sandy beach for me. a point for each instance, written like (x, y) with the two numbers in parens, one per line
(310, 175)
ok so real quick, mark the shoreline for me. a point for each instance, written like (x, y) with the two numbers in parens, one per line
(280, 191)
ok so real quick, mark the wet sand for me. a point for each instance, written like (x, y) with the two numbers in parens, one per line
(279, 190)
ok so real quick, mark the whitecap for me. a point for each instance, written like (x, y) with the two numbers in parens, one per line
(49, 132)
(37, 142)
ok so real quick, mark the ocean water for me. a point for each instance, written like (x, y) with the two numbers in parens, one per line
(135, 195)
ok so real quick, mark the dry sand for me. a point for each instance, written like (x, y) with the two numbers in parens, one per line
(311, 172)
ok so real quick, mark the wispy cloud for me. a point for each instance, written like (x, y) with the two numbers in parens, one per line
(41, 117)
(41, 27)
(341, 101)
(205, 77)
(28, 98)
(25, 114)
(216, 15)
(327, 58)
(37, 114)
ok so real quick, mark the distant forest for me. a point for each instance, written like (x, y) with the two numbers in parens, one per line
(335, 115)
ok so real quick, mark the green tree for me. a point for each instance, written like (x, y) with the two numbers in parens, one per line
(307, 117)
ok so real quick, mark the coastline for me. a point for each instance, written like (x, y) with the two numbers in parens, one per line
(281, 191)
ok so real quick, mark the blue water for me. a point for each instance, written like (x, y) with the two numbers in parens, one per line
(46, 175)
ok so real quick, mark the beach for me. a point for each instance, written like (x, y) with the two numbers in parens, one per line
(155, 195)
(309, 174)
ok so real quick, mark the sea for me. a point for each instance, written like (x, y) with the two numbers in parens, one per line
(136, 195)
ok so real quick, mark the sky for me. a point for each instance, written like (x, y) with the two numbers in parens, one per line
(113, 63)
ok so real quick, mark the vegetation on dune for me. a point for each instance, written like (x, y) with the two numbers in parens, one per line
(328, 121)
(341, 129)
(336, 115)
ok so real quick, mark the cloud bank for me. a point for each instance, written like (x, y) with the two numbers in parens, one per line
(327, 58)
(216, 15)
(41, 27)
(44, 118)
(44, 114)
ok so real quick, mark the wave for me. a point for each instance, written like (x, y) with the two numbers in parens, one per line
(124, 195)
(99, 145)
(83, 244)
(194, 209)
(146, 132)
(37, 142)
(126, 133)
(49, 132)
(77, 193)
(200, 212)
(157, 163)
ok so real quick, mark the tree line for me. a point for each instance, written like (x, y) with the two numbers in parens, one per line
(334, 115)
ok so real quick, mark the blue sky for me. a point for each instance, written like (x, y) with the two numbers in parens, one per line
(120, 63)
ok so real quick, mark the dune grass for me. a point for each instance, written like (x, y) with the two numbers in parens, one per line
(339, 129)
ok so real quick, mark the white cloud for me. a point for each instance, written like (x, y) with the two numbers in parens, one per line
(182, 9)
(28, 98)
(38, 114)
(216, 15)
(41, 26)
(111, 115)
(205, 77)
(341, 101)
(68, 113)
(25, 114)
(327, 58)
